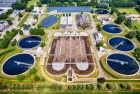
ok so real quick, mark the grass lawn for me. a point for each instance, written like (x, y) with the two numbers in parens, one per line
(23, 20)
(136, 24)
(128, 10)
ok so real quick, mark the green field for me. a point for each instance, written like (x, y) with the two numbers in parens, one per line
(128, 10)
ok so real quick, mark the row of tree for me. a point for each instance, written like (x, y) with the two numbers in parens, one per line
(6, 14)
(7, 38)
(109, 86)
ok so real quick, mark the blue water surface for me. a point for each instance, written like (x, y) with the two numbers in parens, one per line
(112, 28)
(70, 9)
(122, 64)
(29, 42)
(122, 44)
(50, 20)
(101, 11)
(18, 64)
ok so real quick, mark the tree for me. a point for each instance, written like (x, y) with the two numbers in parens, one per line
(137, 8)
(109, 86)
(9, 11)
(123, 86)
(113, 9)
(19, 6)
(20, 78)
(101, 80)
(20, 32)
(14, 42)
(120, 19)
(9, 22)
(37, 31)
(39, 4)
(131, 34)
(3, 16)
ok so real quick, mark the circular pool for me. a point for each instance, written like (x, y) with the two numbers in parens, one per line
(58, 66)
(112, 28)
(50, 20)
(101, 11)
(122, 64)
(18, 64)
(122, 44)
(29, 42)
(82, 65)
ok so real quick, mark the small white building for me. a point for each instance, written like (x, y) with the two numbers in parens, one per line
(98, 37)
(66, 21)
(3, 25)
(133, 17)
(36, 11)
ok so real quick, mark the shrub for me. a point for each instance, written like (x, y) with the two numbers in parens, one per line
(98, 26)
(137, 53)
(32, 71)
(36, 78)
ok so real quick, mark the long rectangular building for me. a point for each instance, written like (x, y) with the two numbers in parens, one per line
(6, 3)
